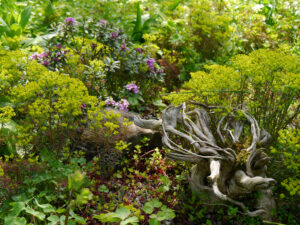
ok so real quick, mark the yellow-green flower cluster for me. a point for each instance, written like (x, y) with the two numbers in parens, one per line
(106, 120)
(6, 113)
(289, 148)
(50, 105)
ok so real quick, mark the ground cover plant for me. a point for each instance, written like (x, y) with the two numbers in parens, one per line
(76, 77)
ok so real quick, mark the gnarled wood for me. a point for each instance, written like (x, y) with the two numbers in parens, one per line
(217, 157)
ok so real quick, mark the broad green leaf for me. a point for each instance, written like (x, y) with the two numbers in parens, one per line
(39, 40)
(76, 180)
(77, 218)
(20, 221)
(133, 101)
(62, 221)
(156, 203)
(137, 31)
(130, 220)
(84, 196)
(103, 188)
(122, 213)
(13, 220)
(148, 208)
(53, 220)
(25, 15)
(107, 217)
(37, 214)
(17, 208)
(47, 208)
(154, 221)
(165, 214)
(9, 220)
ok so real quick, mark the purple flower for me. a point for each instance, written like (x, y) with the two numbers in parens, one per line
(150, 62)
(139, 50)
(132, 87)
(58, 46)
(123, 104)
(123, 47)
(103, 22)
(70, 21)
(93, 45)
(55, 59)
(83, 106)
(35, 55)
(43, 55)
(110, 101)
(114, 35)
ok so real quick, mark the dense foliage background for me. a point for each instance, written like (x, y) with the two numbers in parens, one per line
(63, 61)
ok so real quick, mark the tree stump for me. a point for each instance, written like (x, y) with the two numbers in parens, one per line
(228, 157)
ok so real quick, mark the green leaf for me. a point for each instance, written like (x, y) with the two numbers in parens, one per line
(107, 217)
(39, 40)
(53, 220)
(137, 31)
(20, 221)
(154, 221)
(17, 208)
(103, 188)
(76, 180)
(148, 208)
(13, 220)
(130, 220)
(25, 15)
(77, 218)
(47, 208)
(156, 203)
(122, 213)
(37, 214)
(133, 101)
(84, 196)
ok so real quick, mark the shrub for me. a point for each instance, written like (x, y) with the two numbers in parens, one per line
(266, 81)
(51, 108)
(287, 151)
(103, 58)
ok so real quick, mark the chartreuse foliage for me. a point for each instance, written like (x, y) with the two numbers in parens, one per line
(8, 131)
(266, 81)
(287, 150)
(52, 108)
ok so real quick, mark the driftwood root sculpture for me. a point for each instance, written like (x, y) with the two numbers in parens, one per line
(217, 152)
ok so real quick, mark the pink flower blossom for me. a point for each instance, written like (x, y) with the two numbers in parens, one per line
(70, 21)
(110, 101)
(132, 87)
